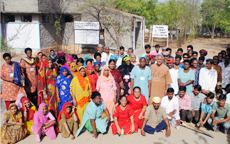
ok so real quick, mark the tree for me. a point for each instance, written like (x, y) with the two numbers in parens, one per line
(212, 12)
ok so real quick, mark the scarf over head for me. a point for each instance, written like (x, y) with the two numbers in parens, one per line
(71, 69)
(154, 53)
(108, 79)
(96, 63)
(63, 111)
(85, 57)
(60, 54)
(204, 52)
(82, 80)
(30, 112)
(164, 48)
(126, 58)
(143, 57)
(114, 57)
(70, 58)
(165, 53)
(92, 78)
(18, 101)
(53, 56)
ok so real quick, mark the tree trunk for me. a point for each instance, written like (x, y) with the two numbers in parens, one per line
(213, 32)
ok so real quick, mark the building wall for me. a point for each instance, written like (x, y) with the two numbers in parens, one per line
(29, 6)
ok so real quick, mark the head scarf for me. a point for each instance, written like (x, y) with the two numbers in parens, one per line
(15, 117)
(96, 63)
(108, 79)
(114, 57)
(43, 64)
(165, 53)
(60, 54)
(203, 51)
(125, 69)
(126, 58)
(82, 80)
(170, 60)
(18, 101)
(53, 56)
(39, 119)
(63, 111)
(154, 53)
(62, 69)
(71, 69)
(30, 112)
(150, 57)
(143, 57)
(85, 57)
(70, 58)
(164, 48)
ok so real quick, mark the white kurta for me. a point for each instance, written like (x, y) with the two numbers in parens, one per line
(174, 74)
(170, 106)
(105, 58)
(225, 74)
(208, 79)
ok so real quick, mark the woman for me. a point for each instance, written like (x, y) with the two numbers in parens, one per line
(123, 118)
(12, 129)
(18, 102)
(69, 60)
(89, 61)
(96, 117)
(107, 87)
(43, 123)
(73, 69)
(196, 69)
(28, 110)
(52, 55)
(186, 77)
(67, 121)
(86, 57)
(134, 60)
(80, 62)
(38, 57)
(92, 76)
(75, 58)
(12, 81)
(117, 77)
(62, 85)
(97, 66)
(125, 70)
(80, 89)
(50, 97)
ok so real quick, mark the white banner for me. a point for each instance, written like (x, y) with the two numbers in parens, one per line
(79, 25)
(160, 31)
(86, 37)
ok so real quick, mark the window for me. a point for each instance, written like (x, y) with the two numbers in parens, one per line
(45, 19)
(69, 18)
(27, 18)
(10, 18)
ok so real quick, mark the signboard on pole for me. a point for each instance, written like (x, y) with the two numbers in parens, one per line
(160, 31)
(86, 32)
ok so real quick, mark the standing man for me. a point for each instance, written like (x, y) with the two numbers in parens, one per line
(122, 52)
(195, 54)
(225, 66)
(130, 52)
(29, 73)
(189, 47)
(141, 77)
(169, 50)
(208, 77)
(171, 104)
(106, 56)
(218, 69)
(160, 79)
(155, 118)
(180, 52)
(100, 48)
(147, 50)
(203, 53)
(157, 49)
(174, 75)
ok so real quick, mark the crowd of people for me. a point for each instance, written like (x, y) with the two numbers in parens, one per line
(65, 94)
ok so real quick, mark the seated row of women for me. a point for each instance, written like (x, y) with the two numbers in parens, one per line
(126, 118)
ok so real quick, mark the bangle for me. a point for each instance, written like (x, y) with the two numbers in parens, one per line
(122, 90)
(25, 112)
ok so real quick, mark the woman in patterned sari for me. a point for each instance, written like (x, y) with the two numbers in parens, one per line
(80, 88)
(74, 69)
(12, 130)
(62, 85)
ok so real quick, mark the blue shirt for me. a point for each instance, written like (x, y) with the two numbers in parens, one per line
(122, 56)
(207, 108)
(185, 77)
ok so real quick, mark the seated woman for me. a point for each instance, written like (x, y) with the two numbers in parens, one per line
(28, 110)
(67, 121)
(123, 118)
(139, 104)
(94, 119)
(12, 129)
(42, 125)
(18, 102)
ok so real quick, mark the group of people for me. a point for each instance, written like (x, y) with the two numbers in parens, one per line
(63, 94)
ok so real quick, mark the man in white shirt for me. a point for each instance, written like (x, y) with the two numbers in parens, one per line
(174, 75)
(171, 104)
(100, 48)
(225, 66)
(130, 52)
(208, 77)
(106, 56)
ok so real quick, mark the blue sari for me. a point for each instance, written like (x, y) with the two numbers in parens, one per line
(63, 84)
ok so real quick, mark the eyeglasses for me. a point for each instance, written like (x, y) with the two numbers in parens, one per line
(185, 57)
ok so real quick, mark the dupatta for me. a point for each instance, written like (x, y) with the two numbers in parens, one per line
(70, 58)
(63, 111)
(108, 79)
(82, 80)
(28, 61)
(30, 112)
(92, 78)
(85, 57)
(71, 69)
(17, 74)
(18, 101)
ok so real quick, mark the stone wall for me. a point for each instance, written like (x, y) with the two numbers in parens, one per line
(27, 6)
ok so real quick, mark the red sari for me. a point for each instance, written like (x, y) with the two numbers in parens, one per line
(137, 107)
(123, 118)
(92, 78)
(118, 78)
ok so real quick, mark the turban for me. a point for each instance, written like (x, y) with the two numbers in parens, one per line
(96, 63)
(164, 48)
(170, 60)
(126, 59)
(156, 99)
(203, 51)
(154, 53)
(114, 57)
(165, 53)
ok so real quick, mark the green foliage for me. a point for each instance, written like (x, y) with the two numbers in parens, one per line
(57, 25)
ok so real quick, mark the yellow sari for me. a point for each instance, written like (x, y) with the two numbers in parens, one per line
(28, 124)
(71, 69)
(79, 88)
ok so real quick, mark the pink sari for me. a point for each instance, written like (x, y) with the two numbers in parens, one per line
(70, 58)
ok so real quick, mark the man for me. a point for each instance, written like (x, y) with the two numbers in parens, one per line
(223, 55)
(185, 56)
(179, 51)
(220, 114)
(29, 73)
(100, 48)
(184, 104)
(189, 47)
(160, 79)
(171, 104)
(147, 50)
(220, 56)
(218, 69)
(228, 50)
(105, 57)
(169, 50)
(194, 54)
(174, 75)
(196, 98)
(201, 62)
(116, 52)
(130, 52)
(141, 77)
(119, 60)
(122, 52)
(225, 66)
(155, 118)
(206, 109)
(178, 65)
(208, 77)
(157, 49)
(203, 53)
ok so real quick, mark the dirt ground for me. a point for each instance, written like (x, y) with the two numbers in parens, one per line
(182, 136)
